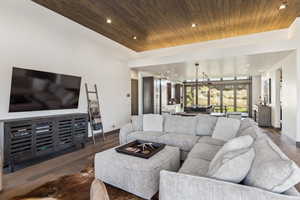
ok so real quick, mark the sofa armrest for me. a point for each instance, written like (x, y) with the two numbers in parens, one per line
(124, 132)
(177, 186)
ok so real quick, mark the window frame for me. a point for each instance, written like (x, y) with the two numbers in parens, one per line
(221, 85)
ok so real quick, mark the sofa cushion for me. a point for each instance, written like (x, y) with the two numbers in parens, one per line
(271, 169)
(212, 141)
(195, 167)
(152, 122)
(150, 136)
(184, 142)
(137, 122)
(204, 151)
(205, 124)
(226, 128)
(232, 166)
(180, 124)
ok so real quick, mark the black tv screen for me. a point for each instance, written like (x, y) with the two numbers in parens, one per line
(33, 90)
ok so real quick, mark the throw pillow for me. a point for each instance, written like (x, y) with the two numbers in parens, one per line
(271, 169)
(233, 161)
(234, 144)
(152, 122)
(226, 128)
(232, 166)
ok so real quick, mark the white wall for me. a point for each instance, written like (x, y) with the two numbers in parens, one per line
(34, 37)
(289, 94)
(275, 103)
(298, 91)
(256, 89)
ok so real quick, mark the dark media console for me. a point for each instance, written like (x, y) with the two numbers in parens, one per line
(32, 138)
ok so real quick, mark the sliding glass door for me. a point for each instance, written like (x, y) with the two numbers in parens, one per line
(203, 93)
(224, 96)
(215, 97)
(242, 98)
(190, 95)
(228, 98)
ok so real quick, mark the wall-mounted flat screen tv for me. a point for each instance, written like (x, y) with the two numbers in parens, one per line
(33, 90)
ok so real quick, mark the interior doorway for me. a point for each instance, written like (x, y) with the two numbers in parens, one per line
(280, 96)
(134, 97)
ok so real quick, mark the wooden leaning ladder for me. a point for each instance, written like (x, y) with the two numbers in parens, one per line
(94, 112)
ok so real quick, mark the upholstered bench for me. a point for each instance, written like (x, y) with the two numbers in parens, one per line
(135, 175)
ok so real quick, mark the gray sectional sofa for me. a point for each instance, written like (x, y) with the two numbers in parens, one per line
(182, 132)
(199, 139)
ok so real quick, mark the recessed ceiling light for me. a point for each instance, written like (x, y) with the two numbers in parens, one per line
(134, 37)
(108, 21)
(194, 25)
(283, 5)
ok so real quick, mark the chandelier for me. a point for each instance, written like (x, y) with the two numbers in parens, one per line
(203, 76)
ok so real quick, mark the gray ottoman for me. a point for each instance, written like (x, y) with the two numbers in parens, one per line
(135, 175)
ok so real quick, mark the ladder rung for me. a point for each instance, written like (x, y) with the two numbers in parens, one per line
(92, 92)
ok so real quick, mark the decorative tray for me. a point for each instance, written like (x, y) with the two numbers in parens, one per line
(142, 149)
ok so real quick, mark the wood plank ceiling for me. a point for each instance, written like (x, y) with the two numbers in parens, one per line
(167, 23)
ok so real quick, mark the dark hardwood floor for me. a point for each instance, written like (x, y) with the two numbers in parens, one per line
(24, 180)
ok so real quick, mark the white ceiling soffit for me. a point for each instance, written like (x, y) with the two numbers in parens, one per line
(250, 65)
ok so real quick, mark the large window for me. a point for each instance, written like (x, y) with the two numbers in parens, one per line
(226, 95)
(242, 98)
(215, 97)
(203, 93)
(228, 98)
(190, 96)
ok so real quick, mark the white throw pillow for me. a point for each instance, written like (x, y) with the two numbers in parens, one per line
(232, 166)
(271, 169)
(233, 161)
(226, 128)
(234, 144)
(152, 122)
